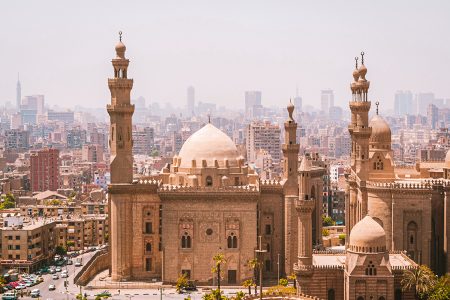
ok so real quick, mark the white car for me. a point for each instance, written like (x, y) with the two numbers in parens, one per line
(21, 286)
(58, 269)
(35, 293)
(64, 275)
(51, 287)
(55, 276)
(78, 264)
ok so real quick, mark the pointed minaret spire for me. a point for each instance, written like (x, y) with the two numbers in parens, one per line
(120, 36)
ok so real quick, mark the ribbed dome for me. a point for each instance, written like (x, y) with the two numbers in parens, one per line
(120, 49)
(381, 132)
(208, 143)
(367, 236)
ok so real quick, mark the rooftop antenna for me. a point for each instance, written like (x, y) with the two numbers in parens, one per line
(120, 36)
(377, 103)
(362, 57)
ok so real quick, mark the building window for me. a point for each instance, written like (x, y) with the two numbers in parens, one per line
(148, 264)
(209, 181)
(148, 247)
(360, 298)
(17, 237)
(331, 294)
(148, 227)
(186, 241)
(232, 241)
(268, 265)
(232, 275)
(378, 165)
(371, 270)
(268, 229)
(398, 294)
(381, 298)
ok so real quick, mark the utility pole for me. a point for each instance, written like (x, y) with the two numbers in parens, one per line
(278, 265)
(259, 255)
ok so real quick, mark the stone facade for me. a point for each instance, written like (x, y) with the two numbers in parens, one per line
(207, 201)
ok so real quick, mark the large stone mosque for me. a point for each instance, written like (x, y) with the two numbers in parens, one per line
(209, 201)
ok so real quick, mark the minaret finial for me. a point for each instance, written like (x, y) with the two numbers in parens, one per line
(356, 62)
(377, 103)
(120, 36)
(362, 57)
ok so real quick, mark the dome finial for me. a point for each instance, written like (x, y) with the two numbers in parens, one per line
(120, 36)
(362, 57)
(356, 62)
(377, 103)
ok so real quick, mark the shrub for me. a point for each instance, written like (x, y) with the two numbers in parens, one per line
(283, 282)
(342, 236)
(325, 232)
(327, 221)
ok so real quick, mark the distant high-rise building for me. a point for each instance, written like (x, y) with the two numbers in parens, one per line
(252, 103)
(17, 140)
(335, 113)
(326, 100)
(18, 94)
(191, 101)
(65, 116)
(423, 100)
(92, 153)
(143, 141)
(403, 103)
(34, 102)
(432, 116)
(265, 136)
(298, 103)
(44, 170)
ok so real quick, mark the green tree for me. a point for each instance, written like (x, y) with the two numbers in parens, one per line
(8, 201)
(219, 260)
(325, 232)
(154, 153)
(420, 279)
(214, 295)
(182, 282)
(239, 296)
(327, 221)
(283, 282)
(441, 289)
(60, 250)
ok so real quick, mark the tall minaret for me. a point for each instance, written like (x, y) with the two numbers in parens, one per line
(18, 93)
(121, 111)
(360, 133)
(290, 168)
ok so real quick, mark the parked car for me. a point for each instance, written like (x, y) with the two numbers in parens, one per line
(191, 286)
(78, 264)
(21, 286)
(64, 275)
(9, 296)
(35, 293)
(58, 269)
(51, 287)
(55, 277)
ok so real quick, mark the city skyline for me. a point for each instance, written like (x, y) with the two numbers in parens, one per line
(224, 50)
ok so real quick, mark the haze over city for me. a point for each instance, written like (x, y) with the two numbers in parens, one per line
(62, 49)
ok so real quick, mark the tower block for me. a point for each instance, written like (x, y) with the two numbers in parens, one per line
(120, 141)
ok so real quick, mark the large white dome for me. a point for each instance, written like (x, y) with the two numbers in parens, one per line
(208, 143)
(367, 236)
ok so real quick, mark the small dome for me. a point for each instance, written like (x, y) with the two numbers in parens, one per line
(381, 132)
(210, 144)
(305, 165)
(356, 74)
(290, 109)
(367, 236)
(120, 49)
(363, 72)
(447, 160)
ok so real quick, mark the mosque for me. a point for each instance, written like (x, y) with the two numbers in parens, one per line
(209, 201)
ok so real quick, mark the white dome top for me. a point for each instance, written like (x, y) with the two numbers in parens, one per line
(367, 236)
(209, 143)
(381, 132)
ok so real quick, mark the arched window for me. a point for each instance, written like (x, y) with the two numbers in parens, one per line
(371, 270)
(331, 294)
(209, 181)
(360, 298)
(381, 298)
(232, 241)
(313, 192)
(186, 241)
(148, 247)
(411, 232)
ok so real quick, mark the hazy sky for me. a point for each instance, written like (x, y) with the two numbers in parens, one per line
(63, 49)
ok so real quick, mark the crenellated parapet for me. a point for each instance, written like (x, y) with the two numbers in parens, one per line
(271, 186)
(200, 189)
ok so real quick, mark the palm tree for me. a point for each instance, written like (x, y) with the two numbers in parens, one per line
(219, 259)
(254, 264)
(421, 279)
(248, 284)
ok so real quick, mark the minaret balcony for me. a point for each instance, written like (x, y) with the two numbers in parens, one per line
(304, 206)
(362, 131)
(120, 108)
